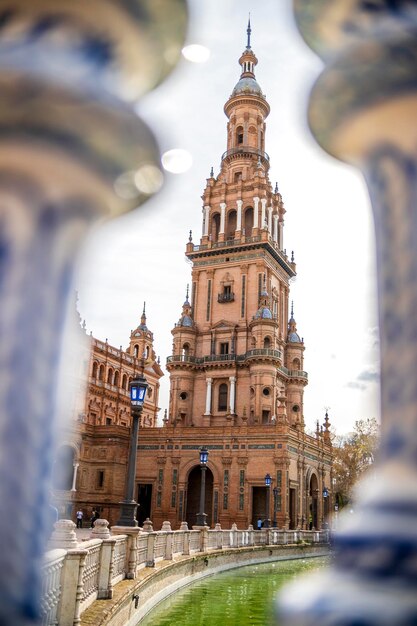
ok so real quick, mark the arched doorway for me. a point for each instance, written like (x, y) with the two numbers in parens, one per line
(63, 468)
(313, 498)
(193, 496)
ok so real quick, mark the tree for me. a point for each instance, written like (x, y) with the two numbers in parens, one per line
(354, 455)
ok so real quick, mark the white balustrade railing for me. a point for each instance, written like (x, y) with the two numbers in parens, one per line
(96, 565)
(51, 586)
(90, 572)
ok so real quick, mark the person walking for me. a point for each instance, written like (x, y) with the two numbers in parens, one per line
(94, 517)
(259, 524)
(79, 515)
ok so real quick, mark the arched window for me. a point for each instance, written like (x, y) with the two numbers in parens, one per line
(124, 382)
(136, 351)
(147, 352)
(239, 135)
(110, 376)
(116, 379)
(231, 224)
(215, 226)
(267, 343)
(248, 221)
(186, 349)
(296, 365)
(222, 406)
(63, 470)
(95, 368)
(101, 372)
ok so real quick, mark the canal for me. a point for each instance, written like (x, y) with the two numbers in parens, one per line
(239, 597)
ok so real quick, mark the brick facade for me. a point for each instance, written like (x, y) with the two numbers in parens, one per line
(236, 369)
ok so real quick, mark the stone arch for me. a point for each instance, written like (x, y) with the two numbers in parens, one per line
(231, 224)
(94, 370)
(116, 378)
(124, 382)
(215, 227)
(222, 396)
(295, 364)
(101, 372)
(239, 136)
(312, 499)
(267, 343)
(110, 376)
(63, 467)
(185, 349)
(248, 221)
(193, 495)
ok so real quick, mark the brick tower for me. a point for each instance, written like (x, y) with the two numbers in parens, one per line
(234, 354)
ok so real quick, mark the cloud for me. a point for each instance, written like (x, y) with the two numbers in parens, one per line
(369, 376)
(363, 379)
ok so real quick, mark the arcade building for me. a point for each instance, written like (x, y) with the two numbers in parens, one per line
(236, 370)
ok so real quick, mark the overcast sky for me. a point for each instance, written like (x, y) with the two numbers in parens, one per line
(328, 221)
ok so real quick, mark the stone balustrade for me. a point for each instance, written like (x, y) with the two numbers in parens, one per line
(75, 574)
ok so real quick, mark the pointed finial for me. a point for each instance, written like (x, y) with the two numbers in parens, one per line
(276, 188)
(292, 308)
(248, 30)
(190, 238)
(186, 295)
(144, 309)
(292, 256)
(212, 172)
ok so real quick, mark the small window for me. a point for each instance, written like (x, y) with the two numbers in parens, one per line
(227, 290)
(108, 421)
(267, 343)
(265, 416)
(183, 395)
(223, 397)
(240, 138)
(100, 478)
(266, 391)
(224, 348)
(296, 408)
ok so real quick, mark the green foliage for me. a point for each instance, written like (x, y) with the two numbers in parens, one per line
(354, 455)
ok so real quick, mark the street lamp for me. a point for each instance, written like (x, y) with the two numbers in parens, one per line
(276, 493)
(268, 481)
(128, 506)
(201, 516)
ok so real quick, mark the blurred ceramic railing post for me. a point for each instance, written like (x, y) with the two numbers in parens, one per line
(72, 151)
(363, 110)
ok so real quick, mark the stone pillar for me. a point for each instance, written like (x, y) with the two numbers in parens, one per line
(281, 235)
(74, 476)
(105, 587)
(374, 126)
(232, 380)
(275, 231)
(263, 212)
(208, 396)
(72, 588)
(206, 220)
(255, 212)
(239, 216)
(222, 217)
(270, 220)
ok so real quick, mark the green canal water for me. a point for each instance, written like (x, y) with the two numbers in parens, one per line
(239, 597)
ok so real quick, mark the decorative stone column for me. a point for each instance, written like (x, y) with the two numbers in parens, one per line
(363, 110)
(239, 216)
(74, 476)
(222, 218)
(255, 212)
(232, 380)
(209, 382)
(206, 220)
(72, 152)
(263, 212)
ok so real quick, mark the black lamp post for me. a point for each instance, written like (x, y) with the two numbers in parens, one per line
(201, 516)
(128, 506)
(268, 481)
(275, 492)
(326, 510)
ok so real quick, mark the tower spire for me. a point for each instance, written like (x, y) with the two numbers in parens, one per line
(143, 318)
(248, 30)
